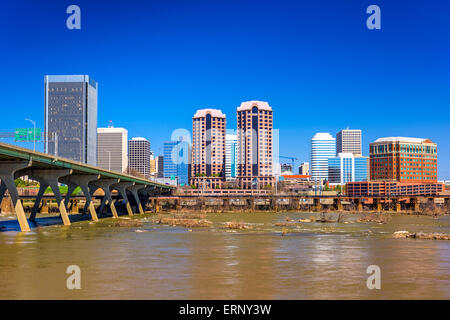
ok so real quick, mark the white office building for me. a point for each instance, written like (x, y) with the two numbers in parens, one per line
(349, 141)
(231, 156)
(139, 156)
(112, 153)
(323, 147)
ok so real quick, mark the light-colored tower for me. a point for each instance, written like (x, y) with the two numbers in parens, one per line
(153, 165)
(139, 156)
(71, 117)
(208, 148)
(112, 150)
(323, 146)
(231, 156)
(349, 141)
(304, 169)
(255, 145)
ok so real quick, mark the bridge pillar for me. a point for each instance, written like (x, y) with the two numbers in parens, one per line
(122, 188)
(134, 191)
(7, 170)
(338, 204)
(2, 191)
(104, 184)
(74, 206)
(44, 207)
(296, 203)
(377, 204)
(252, 204)
(317, 205)
(49, 177)
(359, 205)
(416, 204)
(226, 205)
(202, 204)
(275, 204)
(398, 205)
(157, 206)
(82, 181)
(37, 202)
(146, 193)
(178, 204)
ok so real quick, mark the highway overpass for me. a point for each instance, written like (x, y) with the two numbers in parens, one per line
(48, 170)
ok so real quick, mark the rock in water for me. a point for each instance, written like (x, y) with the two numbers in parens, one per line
(401, 234)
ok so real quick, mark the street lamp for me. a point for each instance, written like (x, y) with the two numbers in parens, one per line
(34, 133)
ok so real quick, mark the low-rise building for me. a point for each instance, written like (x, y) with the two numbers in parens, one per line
(392, 188)
(347, 167)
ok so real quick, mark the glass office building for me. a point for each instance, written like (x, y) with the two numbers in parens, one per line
(176, 161)
(347, 167)
(71, 117)
(323, 147)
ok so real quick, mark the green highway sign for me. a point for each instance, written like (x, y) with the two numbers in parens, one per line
(27, 135)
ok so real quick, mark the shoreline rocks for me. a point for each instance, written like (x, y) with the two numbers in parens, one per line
(237, 225)
(421, 235)
(128, 223)
(189, 223)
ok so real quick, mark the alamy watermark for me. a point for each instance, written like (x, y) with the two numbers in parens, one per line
(374, 280)
(374, 20)
(74, 20)
(74, 280)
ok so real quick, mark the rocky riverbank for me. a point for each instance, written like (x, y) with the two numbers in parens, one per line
(421, 235)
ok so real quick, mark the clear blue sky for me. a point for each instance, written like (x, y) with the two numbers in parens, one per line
(315, 62)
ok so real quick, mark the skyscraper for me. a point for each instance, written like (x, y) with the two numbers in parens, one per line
(208, 148)
(139, 156)
(160, 166)
(231, 156)
(71, 117)
(347, 167)
(323, 146)
(112, 148)
(176, 161)
(349, 140)
(255, 146)
(403, 160)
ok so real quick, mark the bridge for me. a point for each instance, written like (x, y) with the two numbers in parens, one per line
(258, 201)
(49, 171)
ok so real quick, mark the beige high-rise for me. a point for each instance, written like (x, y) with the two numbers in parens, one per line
(255, 145)
(208, 148)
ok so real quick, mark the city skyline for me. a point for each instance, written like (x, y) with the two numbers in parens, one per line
(334, 66)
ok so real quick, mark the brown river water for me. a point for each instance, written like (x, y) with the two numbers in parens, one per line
(311, 261)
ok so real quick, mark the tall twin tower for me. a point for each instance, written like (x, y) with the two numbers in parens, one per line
(254, 147)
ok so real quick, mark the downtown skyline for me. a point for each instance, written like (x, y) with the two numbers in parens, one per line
(378, 82)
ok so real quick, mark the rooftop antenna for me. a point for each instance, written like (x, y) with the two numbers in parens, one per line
(110, 124)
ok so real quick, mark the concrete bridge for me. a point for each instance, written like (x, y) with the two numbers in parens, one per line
(286, 202)
(48, 170)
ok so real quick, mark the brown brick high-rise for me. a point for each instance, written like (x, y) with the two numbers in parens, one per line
(404, 160)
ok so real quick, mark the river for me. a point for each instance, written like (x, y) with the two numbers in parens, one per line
(153, 261)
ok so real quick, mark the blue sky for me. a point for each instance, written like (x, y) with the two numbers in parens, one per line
(315, 62)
